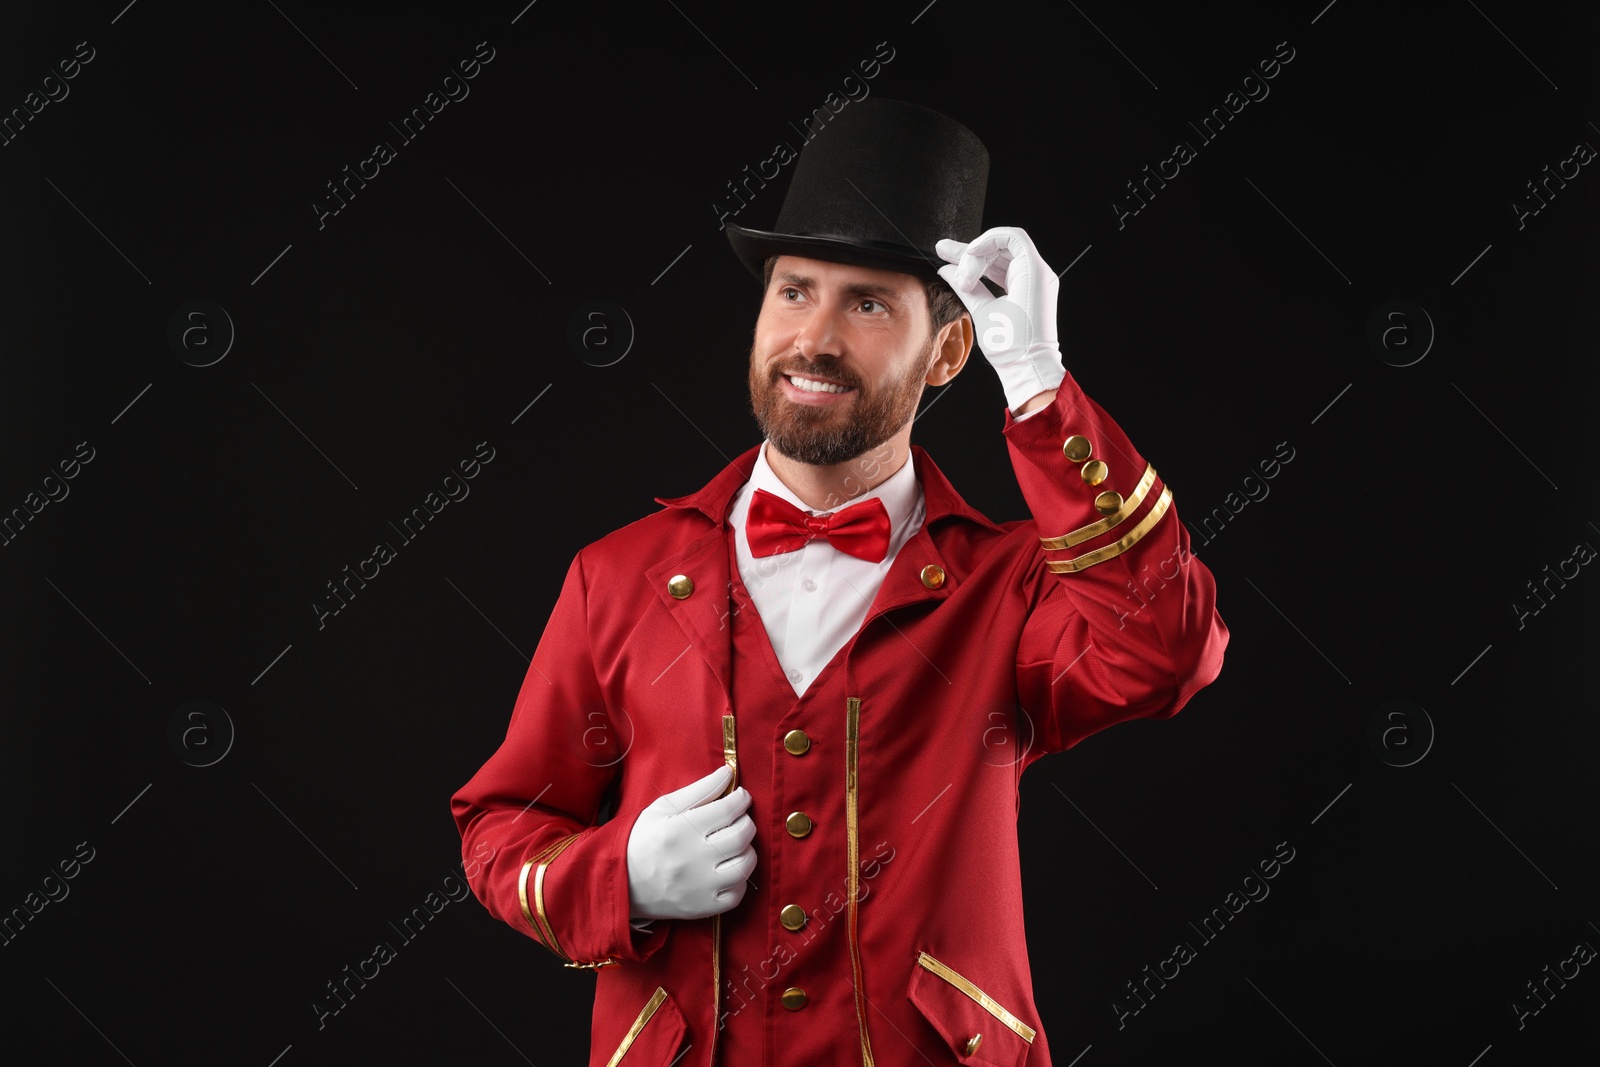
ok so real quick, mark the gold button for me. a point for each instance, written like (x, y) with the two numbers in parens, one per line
(680, 586)
(1108, 501)
(793, 998)
(1076, 448)
(1094, 472)
(973, 1042)
(933, 576)
(796, 742)
(793, 916)
(798, 824)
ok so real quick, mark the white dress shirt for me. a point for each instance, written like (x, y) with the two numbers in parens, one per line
(813, 600)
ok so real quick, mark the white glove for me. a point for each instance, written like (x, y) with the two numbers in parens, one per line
(689, 855)
(1017, 332)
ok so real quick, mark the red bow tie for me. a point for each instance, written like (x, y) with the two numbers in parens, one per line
(774, 525)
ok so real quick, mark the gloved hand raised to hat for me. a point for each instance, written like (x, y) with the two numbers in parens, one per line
(1017, 331)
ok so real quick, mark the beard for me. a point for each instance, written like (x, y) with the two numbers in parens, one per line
(827, 436)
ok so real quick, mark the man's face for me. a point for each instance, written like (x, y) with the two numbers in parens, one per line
(837, 325)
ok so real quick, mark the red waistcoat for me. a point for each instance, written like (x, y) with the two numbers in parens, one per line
(788, 966)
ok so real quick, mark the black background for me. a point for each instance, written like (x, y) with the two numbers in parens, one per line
(373, 352)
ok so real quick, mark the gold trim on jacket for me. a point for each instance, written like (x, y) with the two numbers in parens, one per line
(988, 1003)
(1115, 548)
(1115, 519)
(655, 1002)
(534, 912)
(852, 741)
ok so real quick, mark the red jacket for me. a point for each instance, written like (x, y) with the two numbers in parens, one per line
(988, 646)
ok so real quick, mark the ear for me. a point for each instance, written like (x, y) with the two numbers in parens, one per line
(951, 348)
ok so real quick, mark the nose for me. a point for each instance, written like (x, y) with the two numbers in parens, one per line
(818, 335)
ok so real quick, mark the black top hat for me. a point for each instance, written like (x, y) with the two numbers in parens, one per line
(878, 186)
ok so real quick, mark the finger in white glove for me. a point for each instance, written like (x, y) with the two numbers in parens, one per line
(690, 853)
(1017, 331)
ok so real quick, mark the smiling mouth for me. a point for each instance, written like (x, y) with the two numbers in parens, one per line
(809, 384)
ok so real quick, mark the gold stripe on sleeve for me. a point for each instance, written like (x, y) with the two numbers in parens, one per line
(522, 894)
(522, 885)
(1094, 529)
(1115, 548)
(538, 897)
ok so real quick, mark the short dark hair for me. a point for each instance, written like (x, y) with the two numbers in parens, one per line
(944, 306)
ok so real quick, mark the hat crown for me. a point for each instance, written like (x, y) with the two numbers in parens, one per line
(879, 185)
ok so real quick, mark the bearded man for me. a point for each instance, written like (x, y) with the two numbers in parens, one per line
(806, 693)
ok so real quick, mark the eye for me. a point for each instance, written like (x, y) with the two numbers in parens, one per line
(786, 290)
(874, 303)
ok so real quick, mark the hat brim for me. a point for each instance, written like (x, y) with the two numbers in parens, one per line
(754, 246)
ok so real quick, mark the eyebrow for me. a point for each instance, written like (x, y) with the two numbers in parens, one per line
(853, 289)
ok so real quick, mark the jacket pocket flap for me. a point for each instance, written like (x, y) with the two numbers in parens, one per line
(978, 1029)
(655, 1037)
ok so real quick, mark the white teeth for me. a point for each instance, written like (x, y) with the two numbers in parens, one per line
(811, 386)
